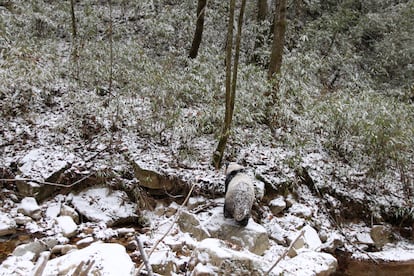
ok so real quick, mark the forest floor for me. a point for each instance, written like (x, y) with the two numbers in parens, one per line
(145, 123)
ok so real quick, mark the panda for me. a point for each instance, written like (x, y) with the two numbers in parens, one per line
(239, 194)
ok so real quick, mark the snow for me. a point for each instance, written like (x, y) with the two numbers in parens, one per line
(97, 204)
(110, 259)
(66, 226)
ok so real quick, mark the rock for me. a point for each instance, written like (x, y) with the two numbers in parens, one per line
(311, 237)
(65, 210)
(63, 248)
(307, 263)
(194, 202)
(300, 210)
(189, 223)
(104, 205)
(171, 209)
(36, 247)
(381, 235)
(277, 205)
(163, 262)
(334, 241)
(109, 259)
(67, 226)
(259, 190)
(7, 225)
(216, 255)
(84, 242)
(22, 220)
(277, 233)
(252, 237)
(42, 164)
(53, 210)
(204, 270)
(29, 207)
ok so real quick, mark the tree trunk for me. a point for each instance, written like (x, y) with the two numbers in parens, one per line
(201, 7)
(262, 10)
(278, 38)
(72, 13)
(231, 81)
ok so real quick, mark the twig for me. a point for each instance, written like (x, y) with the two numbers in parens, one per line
(144, 256)
(46, 182)
(286, 252)
(169, 229)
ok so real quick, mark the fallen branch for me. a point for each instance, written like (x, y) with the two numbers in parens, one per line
(286, 252)
(41, 263)
(46, 182)
(144, 256)
(169, 229)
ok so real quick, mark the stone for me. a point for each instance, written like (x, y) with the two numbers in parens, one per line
(194, 202)
(277, 233)
(307, 263)
(29, 207)
(43, 164)
(189, 223)
(36, 247)
(104, 205)
(109, 259)
(253, 237)
(163, 262)
(334, 241)
(300, 210)
(277, 205)
(67, 226)
(216, 255)
(312, 239)
(381, 235)
(66, 210)
(204, 270)
(7, 225)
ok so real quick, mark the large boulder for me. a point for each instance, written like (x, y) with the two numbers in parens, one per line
(7, 225)
(105, 205)
(189, 223)
(253, 237)
(107, 258)
(215, 256)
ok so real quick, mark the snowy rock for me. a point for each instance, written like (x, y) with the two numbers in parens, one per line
(67, 226)
(277, 205)
(381, 235)
(334, 241)
(109, 259)
(300, 210)
(204, 270)
(35, 247)
(29, 207)
(171, 209)
(163, 262)
(226, 261)
(63, 248)
(259, 190)
(104, 205)
(84, 242)
(45, 165)
(277, 233)
(22, 220)
(53, 210)
(65, 210)
(312, 240)
(7, 225)
(194, 202)
(252, 237)
(189, 223)
(307, 264)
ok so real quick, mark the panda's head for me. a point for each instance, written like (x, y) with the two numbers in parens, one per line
(232, 168)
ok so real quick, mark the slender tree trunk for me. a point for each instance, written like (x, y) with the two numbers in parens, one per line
(201, 8)
(231, 81)
(72, 13)
(278, 38)
(262, 10)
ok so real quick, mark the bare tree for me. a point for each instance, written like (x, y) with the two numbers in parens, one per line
(231, 80)
(278, 38)
(201, 8)
(72, 13)
(262, 10)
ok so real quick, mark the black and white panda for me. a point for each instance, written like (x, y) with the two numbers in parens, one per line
(240, 195)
